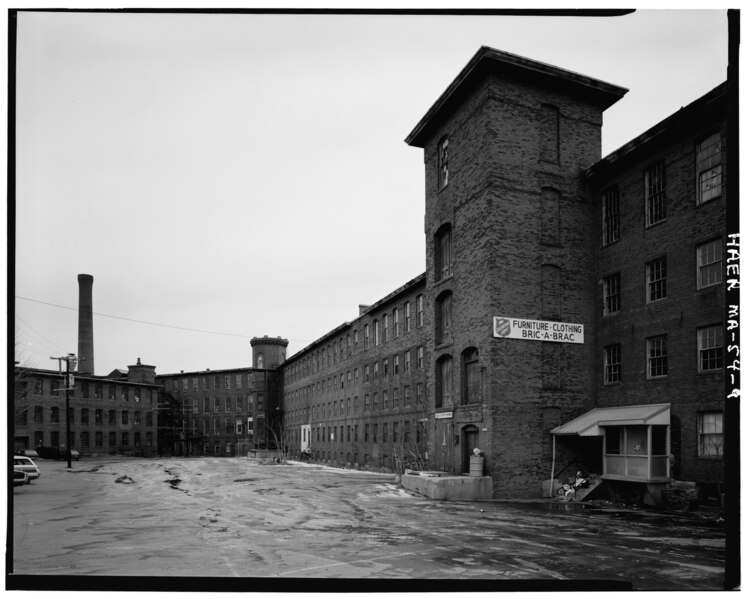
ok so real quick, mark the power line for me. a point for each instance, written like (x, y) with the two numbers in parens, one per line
(157, 324)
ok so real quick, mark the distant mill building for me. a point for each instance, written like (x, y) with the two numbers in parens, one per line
(571, 314)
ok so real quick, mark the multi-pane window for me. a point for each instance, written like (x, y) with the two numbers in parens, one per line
(610, 215)
(54, 415)
(709, 168)
(227, 381)
(709, 263)
(84, 415)
(126, 394)
(710, 348)
(470, 376)
(612, 363)
(408, 361)
(55, 387)
(442, 251)
(366, 336)
(112, 392)
(656, 350)
(396, 364)
(395, 318)
(38, 415)
(408, 318)
(612, 295)
(443, 381)
(419, 311)
(38, 387)
(136, 417)
(98, 416)
(216, 404)
(710, 434)
(125, 417)
(98, 392)
(443, 317)
(655, 193)
(229, 401)
(216, 382)
(656, 279)
(366, 373)
(420, 358)
(376, 370)
(377, 337)
(112, 417)
(385, 327)
(443, 162)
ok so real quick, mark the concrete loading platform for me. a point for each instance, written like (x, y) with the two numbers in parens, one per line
(437, 485)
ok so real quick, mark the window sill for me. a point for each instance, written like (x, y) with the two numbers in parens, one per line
(443, 280)
(656, 224)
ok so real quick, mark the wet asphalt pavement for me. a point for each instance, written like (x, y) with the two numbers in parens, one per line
(209, 517)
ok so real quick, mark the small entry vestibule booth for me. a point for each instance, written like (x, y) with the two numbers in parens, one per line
(636, 440)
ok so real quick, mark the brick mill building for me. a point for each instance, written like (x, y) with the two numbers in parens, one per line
(571, 314)
(227, 412)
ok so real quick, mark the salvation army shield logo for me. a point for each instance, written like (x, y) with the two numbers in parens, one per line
(501, 327)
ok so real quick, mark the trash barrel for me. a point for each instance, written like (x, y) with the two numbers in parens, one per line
(476, 463)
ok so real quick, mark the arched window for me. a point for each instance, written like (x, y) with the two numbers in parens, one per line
(442, 252)
(444, 381)
(443, 162)
(443, 318)
(260, 360)
(550, 291)
(550, 133)
(550, 217)
(470, 376)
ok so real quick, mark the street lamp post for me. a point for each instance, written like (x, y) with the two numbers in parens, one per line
(70, 362)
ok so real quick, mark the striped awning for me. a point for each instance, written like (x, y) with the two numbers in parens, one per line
(590, 424)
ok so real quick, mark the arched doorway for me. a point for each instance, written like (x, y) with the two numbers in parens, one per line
(469, 441)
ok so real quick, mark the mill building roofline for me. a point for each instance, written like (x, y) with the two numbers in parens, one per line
(712, 104)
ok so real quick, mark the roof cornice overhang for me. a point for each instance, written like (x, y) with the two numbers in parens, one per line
(709, 107)
(489, 61)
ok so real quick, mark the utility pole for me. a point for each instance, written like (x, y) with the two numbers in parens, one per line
(70, 363)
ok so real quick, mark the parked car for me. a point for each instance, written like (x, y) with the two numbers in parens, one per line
(57, 453)
(29, 453)
(26, 465)
(20, 478)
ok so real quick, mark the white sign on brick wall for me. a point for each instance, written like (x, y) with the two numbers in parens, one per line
(508, 327)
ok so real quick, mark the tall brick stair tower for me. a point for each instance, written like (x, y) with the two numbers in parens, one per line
(509, 232)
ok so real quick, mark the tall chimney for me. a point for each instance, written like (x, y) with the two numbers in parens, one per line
(85, 324)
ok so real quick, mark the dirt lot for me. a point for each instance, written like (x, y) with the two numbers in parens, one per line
(232, 517)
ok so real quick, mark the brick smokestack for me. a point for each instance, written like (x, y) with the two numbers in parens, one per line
(85, 324)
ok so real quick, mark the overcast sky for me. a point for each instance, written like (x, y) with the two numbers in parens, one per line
(246, 175)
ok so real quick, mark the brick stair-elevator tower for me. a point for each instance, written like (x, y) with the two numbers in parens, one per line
(509, 232)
